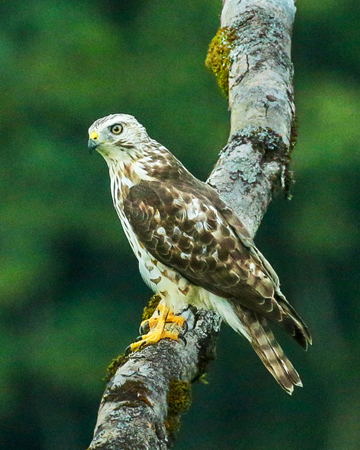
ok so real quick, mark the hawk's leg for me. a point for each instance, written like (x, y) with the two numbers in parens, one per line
(157, 328)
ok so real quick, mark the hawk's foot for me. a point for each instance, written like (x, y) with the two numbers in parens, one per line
(147, 325)
(155, 328)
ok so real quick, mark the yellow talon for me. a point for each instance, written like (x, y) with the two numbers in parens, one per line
(170, 317)
(159, 332)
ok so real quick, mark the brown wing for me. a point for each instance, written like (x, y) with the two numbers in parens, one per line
(283, 313)
(186, 226)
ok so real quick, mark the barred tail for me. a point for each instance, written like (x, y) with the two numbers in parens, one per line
(255, 328)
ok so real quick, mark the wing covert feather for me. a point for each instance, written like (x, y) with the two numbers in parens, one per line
(184, 230)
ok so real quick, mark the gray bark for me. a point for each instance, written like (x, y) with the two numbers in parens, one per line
(134, 411)
(254, 163)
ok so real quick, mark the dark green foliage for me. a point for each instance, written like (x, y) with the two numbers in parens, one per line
(71, 296)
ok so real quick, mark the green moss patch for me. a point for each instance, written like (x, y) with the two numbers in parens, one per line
(179, 401)
(115, 364)
(218, 57)
(151, 307)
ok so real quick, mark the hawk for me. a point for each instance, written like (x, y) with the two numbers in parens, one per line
(191, 247)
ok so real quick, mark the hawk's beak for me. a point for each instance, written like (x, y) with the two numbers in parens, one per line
(92, 145)
(93, 141)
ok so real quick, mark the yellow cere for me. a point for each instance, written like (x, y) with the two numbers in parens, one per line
(94, 135)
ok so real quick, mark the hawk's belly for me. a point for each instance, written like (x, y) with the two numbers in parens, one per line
(176, 290)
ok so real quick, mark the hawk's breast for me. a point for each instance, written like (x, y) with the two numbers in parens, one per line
(177, 290)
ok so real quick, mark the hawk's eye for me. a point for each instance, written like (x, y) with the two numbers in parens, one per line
(116, 129)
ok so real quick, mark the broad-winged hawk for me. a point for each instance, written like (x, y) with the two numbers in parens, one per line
(191, 247)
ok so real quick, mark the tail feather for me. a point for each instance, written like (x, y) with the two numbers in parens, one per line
(292, 322)
(276, 308)
(267, 348)
(286, 365)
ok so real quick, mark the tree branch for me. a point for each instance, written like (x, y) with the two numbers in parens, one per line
(134, 410)
(143, 400)
(255, 161)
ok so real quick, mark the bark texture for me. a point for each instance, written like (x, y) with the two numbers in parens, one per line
(142, 402)
(255, 162)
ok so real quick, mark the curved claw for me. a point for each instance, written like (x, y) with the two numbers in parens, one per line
(128, 350)
(182, 338)
(144, 327)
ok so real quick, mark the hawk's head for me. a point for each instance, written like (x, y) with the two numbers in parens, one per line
(130, 152)
(118, 136)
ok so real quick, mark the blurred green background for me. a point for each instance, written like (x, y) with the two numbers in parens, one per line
(70, 293)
